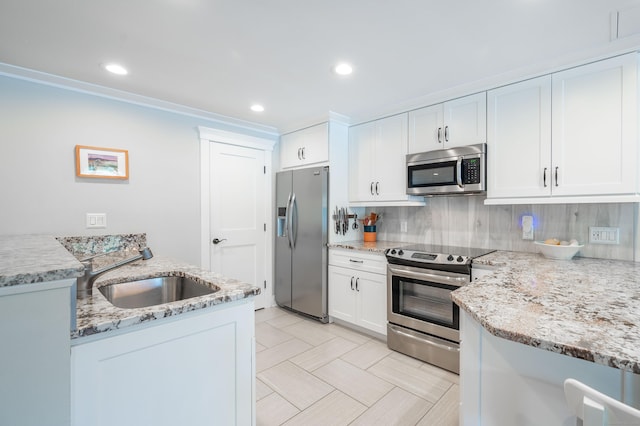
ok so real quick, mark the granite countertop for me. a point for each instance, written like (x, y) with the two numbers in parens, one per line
(96, 315)
(374, 247)
(584, 308)
(29, 259)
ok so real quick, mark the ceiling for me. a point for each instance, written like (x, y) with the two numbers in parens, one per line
(221, 56)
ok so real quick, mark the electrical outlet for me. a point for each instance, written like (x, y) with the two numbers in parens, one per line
(527, 227)
(96, 220)
(403, 226)
(604, 235)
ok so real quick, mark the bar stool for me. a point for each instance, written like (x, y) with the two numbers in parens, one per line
(597, 409)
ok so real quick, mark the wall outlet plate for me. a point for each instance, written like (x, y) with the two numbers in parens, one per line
(527, 227)
(604, 235)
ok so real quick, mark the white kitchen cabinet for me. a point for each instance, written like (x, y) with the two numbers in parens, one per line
(195, 369)
(519, 139)
(377, 162)
(595, 128)
(458, 122)
(567, 137)
(358, 289)
(34, 359)
(305, 147)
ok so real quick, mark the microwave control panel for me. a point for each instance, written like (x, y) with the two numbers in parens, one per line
(470, 171)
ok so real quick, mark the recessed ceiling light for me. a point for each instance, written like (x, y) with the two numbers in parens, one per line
(343, 69)
(257, 108)
(116, 69)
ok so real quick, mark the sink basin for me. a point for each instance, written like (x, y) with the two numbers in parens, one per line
(153, 291)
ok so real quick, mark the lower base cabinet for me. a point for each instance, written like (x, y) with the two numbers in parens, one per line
(358, 296)
(196, 370)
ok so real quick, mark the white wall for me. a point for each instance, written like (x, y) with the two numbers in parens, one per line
(40, 126)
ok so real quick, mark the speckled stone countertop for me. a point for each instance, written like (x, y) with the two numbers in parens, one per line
(97, 315)
(584, 308)
(28, 259)
(375, 247)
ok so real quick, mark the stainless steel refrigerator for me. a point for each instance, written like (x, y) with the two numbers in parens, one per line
(301, 241)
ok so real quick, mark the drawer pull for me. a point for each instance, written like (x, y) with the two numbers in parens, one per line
(356, 261)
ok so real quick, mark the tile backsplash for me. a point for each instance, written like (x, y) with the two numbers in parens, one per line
(466, 221)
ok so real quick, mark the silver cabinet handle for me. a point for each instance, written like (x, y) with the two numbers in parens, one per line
(446, 133)
(352, 283)
(303, 154)
(544, 177)
(357, 284)
(299, 154)
(218, 241)
(377, 188)
(556, 175)
(371, 188)
(439, 134)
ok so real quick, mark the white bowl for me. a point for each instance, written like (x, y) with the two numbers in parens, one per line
(552, 251)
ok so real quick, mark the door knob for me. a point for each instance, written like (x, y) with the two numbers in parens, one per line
(217, 241)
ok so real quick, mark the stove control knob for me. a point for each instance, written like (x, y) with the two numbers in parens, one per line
(450, 258)
(459, 259)
(400, 252)
(393, 251)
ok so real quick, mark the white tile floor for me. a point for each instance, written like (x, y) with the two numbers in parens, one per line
(310, 373)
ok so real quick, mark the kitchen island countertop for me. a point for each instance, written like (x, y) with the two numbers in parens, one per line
(96, 315)
(584, 308)
(30, 259)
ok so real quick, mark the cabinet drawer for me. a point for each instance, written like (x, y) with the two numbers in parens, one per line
(359, 260)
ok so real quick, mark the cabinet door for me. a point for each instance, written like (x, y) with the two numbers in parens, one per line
(594, 130)
(372, 301)
(519, 140)
(362, 141)
(342, 303)
(306, 146)
(465, 120)
(426, 129)
(390, 166)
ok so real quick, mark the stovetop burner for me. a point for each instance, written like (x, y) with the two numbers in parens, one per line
(427, 255)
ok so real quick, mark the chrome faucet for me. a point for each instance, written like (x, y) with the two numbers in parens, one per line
(85, 282)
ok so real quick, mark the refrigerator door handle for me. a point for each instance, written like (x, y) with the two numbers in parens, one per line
(294, 225)
(287, 220)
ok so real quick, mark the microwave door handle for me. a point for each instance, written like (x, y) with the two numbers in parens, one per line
(459, 172)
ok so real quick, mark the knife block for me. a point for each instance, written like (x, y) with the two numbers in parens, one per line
(369, 234)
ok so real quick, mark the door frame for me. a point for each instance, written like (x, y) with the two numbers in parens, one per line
(266, 144)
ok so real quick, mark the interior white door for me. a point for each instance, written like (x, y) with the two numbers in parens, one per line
(238, 216)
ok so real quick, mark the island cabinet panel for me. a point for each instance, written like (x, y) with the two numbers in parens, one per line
(34, 353)
(199, 370)
(507, 383)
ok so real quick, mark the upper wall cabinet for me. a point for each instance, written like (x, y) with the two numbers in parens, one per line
(568, 137)
(377, 162)
(458, 122)
(305, 147)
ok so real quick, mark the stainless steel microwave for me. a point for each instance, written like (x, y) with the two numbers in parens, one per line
(460, 170)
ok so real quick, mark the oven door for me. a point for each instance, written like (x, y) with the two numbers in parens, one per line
(420, 299)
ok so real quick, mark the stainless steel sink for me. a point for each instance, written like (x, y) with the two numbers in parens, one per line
(153, 291)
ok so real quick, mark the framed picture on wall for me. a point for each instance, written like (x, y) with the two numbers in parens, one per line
(106, 163)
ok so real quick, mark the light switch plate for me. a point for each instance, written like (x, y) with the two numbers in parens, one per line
(527, 227)
(96, 220)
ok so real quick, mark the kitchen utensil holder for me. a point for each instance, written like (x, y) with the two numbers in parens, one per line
(370, 234)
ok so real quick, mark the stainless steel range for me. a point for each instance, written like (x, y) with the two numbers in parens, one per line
(423, 321)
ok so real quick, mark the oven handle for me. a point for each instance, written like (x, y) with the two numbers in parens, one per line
(458, 281)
